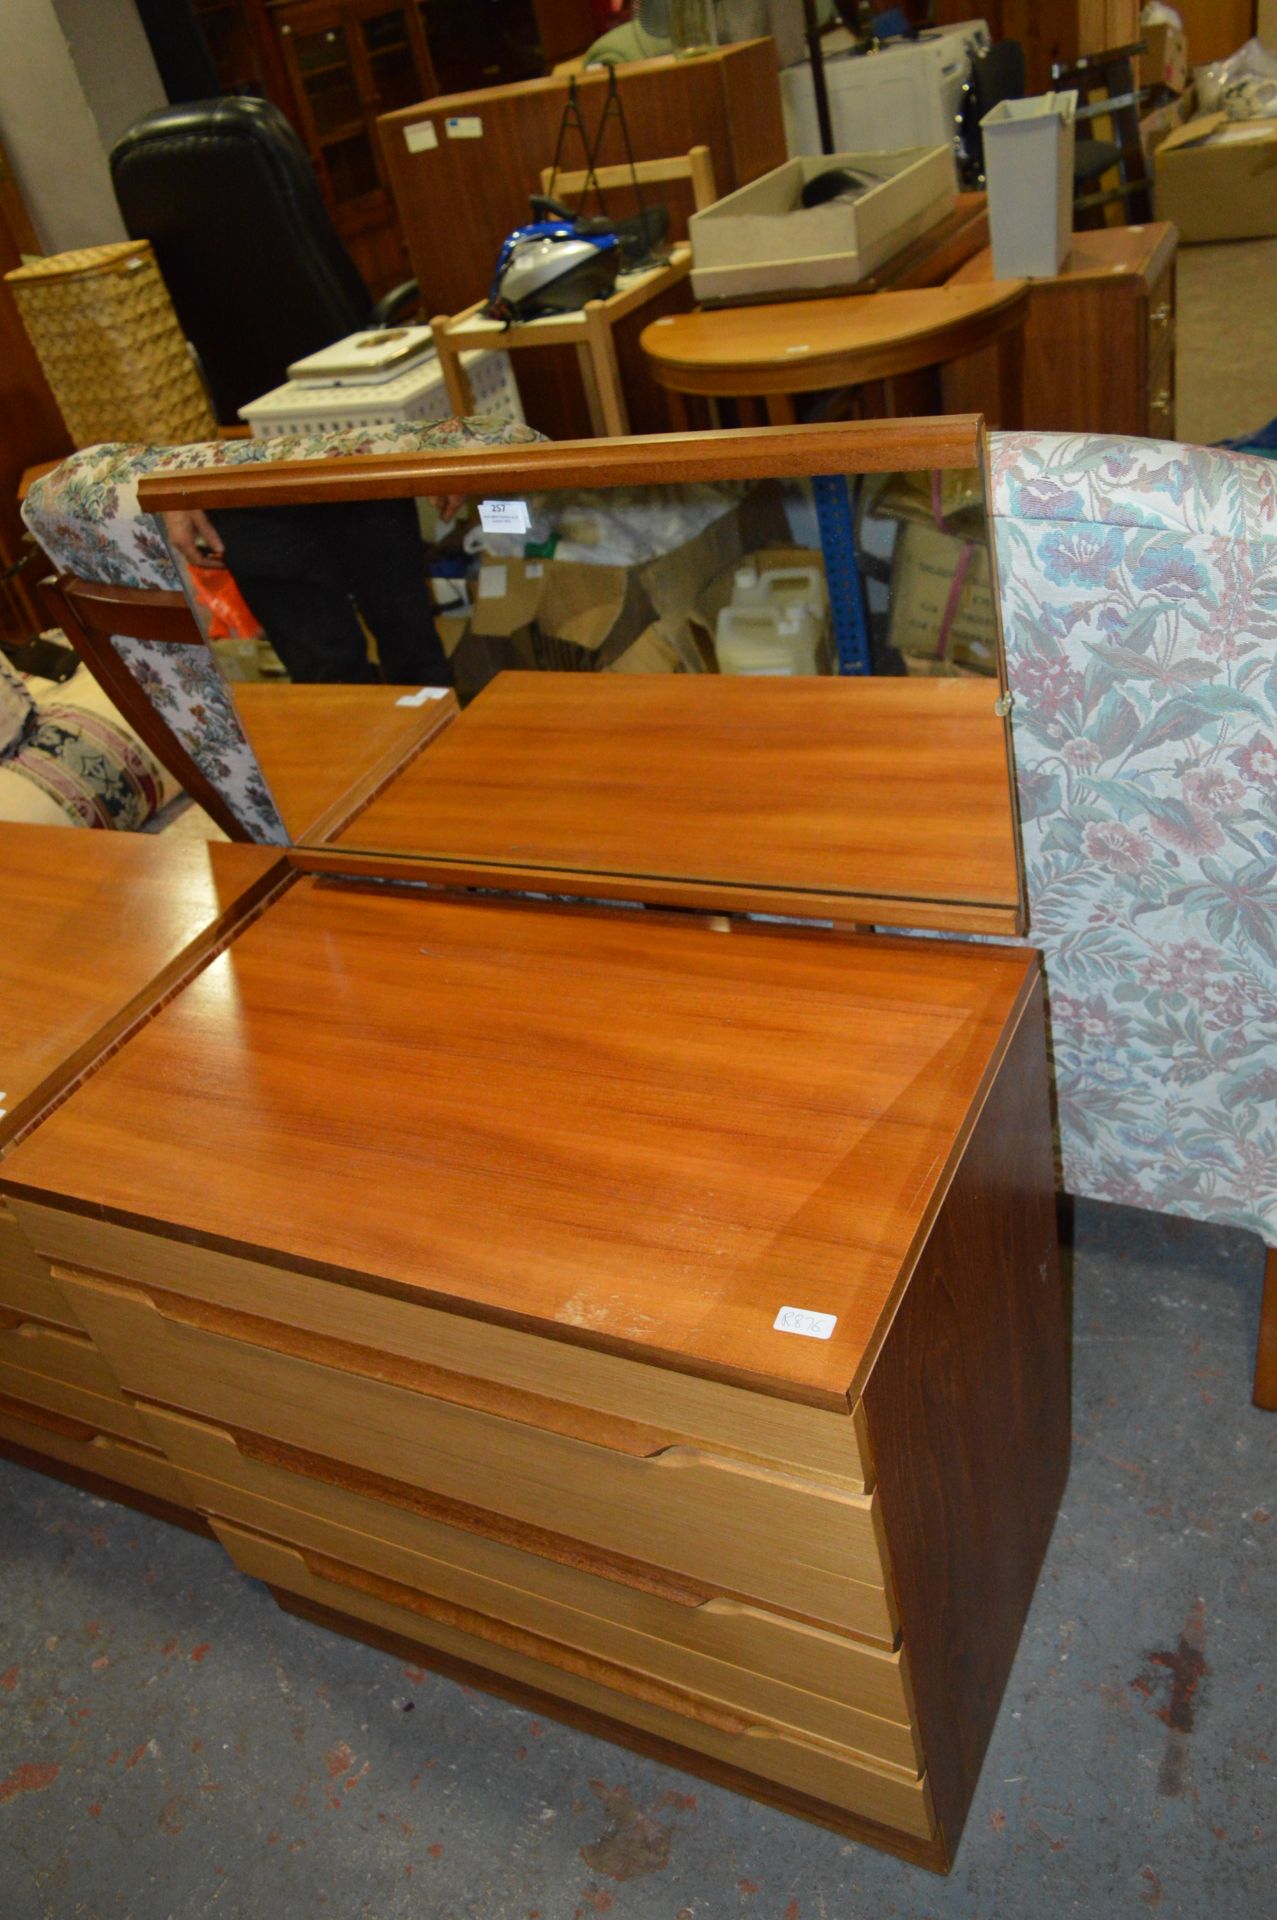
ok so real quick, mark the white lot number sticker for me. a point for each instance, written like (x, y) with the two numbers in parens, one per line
(816, 1326)
(504, 516)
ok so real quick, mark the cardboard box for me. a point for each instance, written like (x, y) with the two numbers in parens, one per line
(1216, 178)
(761, 241)
(1164, 62)
(1028, 158)
(942, 614)
(1156, 127)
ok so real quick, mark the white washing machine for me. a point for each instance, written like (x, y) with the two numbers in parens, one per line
(909, 95)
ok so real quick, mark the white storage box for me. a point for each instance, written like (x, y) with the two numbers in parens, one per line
(1028, 162)
(761, 242)
(418, 394)
(909, 95)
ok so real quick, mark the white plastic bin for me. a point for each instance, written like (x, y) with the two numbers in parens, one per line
(1028, 161)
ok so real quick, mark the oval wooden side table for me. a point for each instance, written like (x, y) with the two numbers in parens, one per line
(769, 354)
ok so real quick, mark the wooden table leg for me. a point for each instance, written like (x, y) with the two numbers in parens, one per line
(607, 375)
(676, 404)
(1265, 1394)
(455, 380)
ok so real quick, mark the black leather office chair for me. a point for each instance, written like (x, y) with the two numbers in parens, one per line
(224, 191)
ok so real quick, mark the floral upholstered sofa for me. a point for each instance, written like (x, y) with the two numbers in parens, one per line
(85, 516)
(1139, 601)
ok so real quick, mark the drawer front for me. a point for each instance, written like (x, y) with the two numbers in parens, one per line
(743, 1657)
(76, 1444)
(662, 1407)
(94, 1412)
(1161, 317)
(802, 1546)
(1161, 395)
(54, 1353)
(823, 1770)
(25, 1286)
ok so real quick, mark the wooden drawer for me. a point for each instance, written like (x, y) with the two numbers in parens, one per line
(800, 1545)
(827, 1772)
(31, 1347)
(1161, 317)
(77, 1443)
(95, 1412)
(742, 1657)
(1161, 394)
(25, 1286)
(563, 1383)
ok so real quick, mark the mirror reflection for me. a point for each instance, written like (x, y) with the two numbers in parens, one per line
(369, 602)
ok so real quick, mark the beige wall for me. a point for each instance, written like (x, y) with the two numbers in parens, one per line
(58, 117)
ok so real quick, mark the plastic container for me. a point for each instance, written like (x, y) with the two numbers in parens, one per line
(1028, 161)
(772, 640)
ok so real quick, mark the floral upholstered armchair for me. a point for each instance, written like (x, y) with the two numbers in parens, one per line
(1139, 600)
(85, 516)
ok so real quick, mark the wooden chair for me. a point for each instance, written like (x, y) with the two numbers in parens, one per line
(696, 166)
(1106, 90)
(89, 613)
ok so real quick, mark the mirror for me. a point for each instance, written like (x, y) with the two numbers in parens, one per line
(880, 569)
(832, 558)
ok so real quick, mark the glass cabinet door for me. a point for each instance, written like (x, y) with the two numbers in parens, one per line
(329, 84)
(392, 59)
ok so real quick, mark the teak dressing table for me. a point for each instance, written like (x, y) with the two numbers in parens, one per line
(648, 1312)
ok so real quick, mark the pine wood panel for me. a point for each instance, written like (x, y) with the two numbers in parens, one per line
(95, 1412)
(674, 1408)
(979, 1349)
(53, 1353)
(744, 1658)
(97, 926)
(682, 1509)
(72, 1443)
(890, 789)
(642, 1138)
(25, 1286)
(821, 1769)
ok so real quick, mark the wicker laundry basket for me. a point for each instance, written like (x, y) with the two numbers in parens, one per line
(104, 328)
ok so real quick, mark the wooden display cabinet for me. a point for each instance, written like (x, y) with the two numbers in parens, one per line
(1099, 340)
(645, 1310)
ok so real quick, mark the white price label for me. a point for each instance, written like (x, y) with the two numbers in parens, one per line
(492, 583)
(420, 698)
(465, 126)
(504, 516)
(421, 136)
(816, 1326)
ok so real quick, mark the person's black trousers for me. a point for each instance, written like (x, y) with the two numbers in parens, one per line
(304, 570)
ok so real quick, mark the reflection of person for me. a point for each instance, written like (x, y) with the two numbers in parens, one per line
(305, 570)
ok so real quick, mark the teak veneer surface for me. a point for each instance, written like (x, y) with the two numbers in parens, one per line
(324, 748)
(637, 1134)
(891, 789)
(96, 927)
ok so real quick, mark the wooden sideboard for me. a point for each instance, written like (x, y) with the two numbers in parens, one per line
(1099, 341)
(645, 1311)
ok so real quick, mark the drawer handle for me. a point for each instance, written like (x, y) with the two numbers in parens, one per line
(1161, 313)
(415, 1376)
(532, 1646)
(1162, 401)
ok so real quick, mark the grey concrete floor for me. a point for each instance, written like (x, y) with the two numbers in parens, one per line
(171, 1745)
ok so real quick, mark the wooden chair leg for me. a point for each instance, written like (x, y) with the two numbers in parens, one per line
(1265, 1394)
